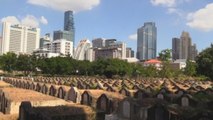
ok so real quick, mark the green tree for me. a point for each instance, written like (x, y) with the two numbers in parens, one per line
(166, 70)
(205, 62)
(190, 69)
(26, 63)
(8, 61)
(165, 55)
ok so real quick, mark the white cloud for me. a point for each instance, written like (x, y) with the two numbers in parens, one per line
(175, 11)
(43, 20)
(28, 20)
(201, 19)
(167, 3)
(63, 5)
(11, 19)
(133, 37)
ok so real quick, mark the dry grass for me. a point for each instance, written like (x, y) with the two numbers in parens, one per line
(8, 117)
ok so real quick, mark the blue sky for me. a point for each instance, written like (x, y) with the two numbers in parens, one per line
(118, 19)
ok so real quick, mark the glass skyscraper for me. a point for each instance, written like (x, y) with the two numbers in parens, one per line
(69, 29)
(146, 41)
(68, 21)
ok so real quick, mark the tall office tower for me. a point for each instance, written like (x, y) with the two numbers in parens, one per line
(98, 43)
(194, 52)
(175, 48)
(19, 39)
(84, 51)
(185, 45)
(44, 40)
(69, 25)
(68, 21)
(146, 41)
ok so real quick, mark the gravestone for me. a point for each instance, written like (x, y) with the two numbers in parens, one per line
(184, 102)
(126, 109)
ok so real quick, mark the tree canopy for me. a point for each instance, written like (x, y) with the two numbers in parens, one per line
(205, 62)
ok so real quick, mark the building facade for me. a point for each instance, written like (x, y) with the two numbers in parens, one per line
(84, 51)
(185, 45)
(63, 35)
(175, 48)
(129, 53)
(194, 52)
(108, 53)
(108, 42)
(98, 43)
(19, 39)
(146, 41)
(120, 45)
(62, 47)
(69, 21)
(45, 39)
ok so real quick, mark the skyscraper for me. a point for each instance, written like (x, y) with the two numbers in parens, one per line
(146, 42)
(175, 48)
(69, 29)
(182, 47)
(68, 21)
(19, 39)
(185, 45)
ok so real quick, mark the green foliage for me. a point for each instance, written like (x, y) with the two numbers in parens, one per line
(205, 62)
(166, 70)
(8, 62)
(190, 69)
(165, 55)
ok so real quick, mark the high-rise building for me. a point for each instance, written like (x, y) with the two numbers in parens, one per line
(19, 39)
(129, 53)
(185, 45)
(175, 48)
(68, 21)
(194, 52)
(84, 51)
(182, 48)
(44, 40)
(146, 41)
(98, 43)
(69, 26)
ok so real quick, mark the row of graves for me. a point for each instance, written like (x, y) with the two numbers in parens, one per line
(22, 104)
(147, 99)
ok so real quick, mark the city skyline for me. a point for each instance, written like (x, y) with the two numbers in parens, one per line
(94, 19)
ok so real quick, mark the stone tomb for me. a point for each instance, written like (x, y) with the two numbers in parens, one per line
(68, 112)
(11, 98)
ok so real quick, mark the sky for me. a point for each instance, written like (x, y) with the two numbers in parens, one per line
(117, 19)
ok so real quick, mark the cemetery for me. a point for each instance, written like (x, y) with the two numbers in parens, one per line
(110, 99)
